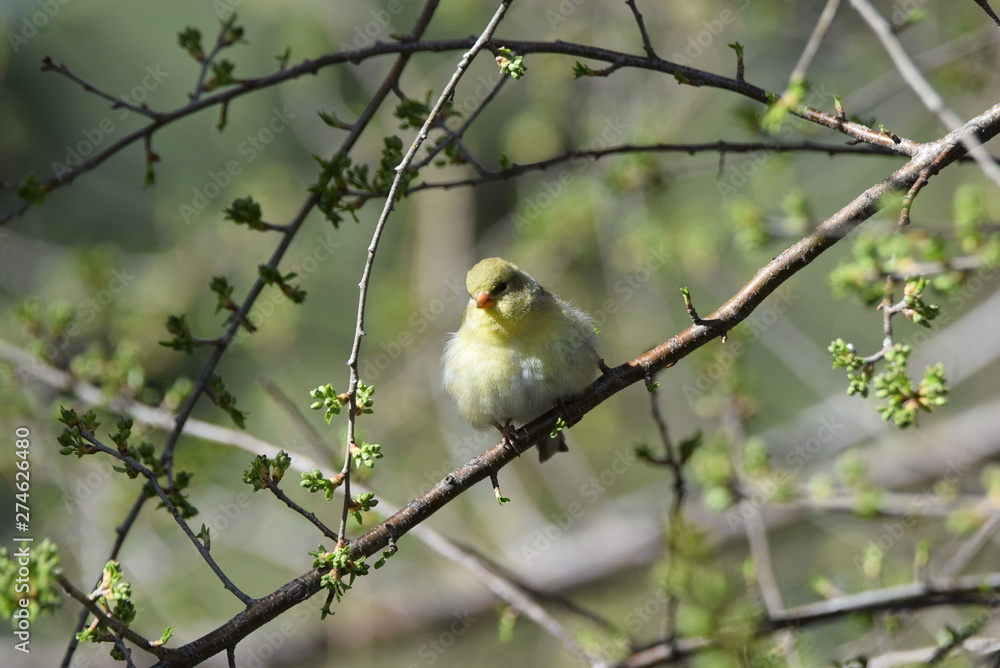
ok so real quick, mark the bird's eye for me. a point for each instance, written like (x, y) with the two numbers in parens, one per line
(501, 287)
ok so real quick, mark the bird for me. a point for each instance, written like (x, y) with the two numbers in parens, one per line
(519, 351)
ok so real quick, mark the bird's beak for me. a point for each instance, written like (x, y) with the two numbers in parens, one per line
(484, 300)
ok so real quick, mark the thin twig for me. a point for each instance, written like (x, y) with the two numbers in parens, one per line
(675, 512)
(206, 63)
(153, 483)
(989, 11)
(922, 87)
(460, 132)
(410, 46)
(48, 65)
(646, 44)
(971, 547)
(510, 592)
(756, 528)
(118, 627)
(925, 174)
(823, 24)
(278, 492)
(970, 590)
(710, 147)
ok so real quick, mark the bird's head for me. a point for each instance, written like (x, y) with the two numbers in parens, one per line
(501, 290)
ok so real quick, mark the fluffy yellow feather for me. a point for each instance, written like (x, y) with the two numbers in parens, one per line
(518, 351)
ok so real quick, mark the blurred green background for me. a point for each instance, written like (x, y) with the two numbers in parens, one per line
(618, 237)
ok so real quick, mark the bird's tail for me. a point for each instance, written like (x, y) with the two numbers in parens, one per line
(547, 447)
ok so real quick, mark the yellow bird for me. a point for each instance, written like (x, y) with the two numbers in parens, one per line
(520, 349)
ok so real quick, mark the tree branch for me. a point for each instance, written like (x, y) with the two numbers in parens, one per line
(407, 47)
(970, 590)
(921, 86)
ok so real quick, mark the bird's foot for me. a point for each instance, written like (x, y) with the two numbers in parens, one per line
(509, 432)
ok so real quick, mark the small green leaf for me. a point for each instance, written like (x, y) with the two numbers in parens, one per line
(31, 190)
(246, 211)
(581, 70)
(511, 63)
(315, 481)
(190, 41)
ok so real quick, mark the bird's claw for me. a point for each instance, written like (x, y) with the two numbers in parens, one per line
(508, 432)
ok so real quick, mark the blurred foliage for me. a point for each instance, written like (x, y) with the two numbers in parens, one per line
(119, 281)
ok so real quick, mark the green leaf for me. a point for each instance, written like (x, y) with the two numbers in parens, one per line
(366, 454)
(314, 481)
(190, 41)
(264, 471)
(245, 210)
(511, 63)
(182, 341)
(31, 190)
(581, 70)
(329, 400)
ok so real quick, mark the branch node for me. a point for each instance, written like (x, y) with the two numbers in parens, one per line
(689, 305)
(839, 105)
(501, 499)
